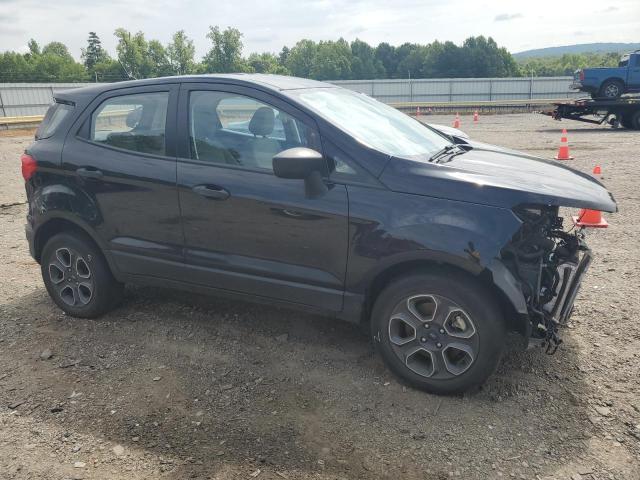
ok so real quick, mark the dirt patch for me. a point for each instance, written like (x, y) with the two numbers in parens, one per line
(18, 132)
(173, 385)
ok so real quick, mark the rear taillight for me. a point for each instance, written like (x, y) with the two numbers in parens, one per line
(29, 166)
(581, 75)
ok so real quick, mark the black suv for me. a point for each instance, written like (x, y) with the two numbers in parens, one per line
(300, 192)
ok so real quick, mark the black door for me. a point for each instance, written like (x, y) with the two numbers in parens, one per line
(247, 230)
(123, 158)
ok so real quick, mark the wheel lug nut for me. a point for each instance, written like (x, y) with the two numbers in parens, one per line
(423, 339)
(439, 345)
(442, 330)
(426, 325)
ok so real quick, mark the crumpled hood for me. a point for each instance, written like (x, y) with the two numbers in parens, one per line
(499, 177)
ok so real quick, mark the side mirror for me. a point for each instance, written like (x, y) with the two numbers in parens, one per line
(298, 163)
(303, 164)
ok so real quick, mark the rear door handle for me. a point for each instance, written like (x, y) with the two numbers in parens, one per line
(89, 173)
(211, 191)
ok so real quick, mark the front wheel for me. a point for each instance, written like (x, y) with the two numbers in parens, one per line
(442, 333)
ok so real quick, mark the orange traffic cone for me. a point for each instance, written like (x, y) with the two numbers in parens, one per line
(597, 170)
(590, 219)
(456, 122)
(417, 111)
(563, 151)
(475, 116)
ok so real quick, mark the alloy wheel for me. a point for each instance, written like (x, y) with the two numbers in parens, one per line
(71, 277)
(612, 91)
(433, 336)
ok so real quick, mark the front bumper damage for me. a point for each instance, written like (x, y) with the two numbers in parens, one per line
(549, 264)
(558, 311)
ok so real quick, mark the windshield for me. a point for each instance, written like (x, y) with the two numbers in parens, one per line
(373, 123)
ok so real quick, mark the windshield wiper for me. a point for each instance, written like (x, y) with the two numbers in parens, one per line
(444, 151)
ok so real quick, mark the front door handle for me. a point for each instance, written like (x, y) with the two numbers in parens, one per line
(211, 191)
(89, 173)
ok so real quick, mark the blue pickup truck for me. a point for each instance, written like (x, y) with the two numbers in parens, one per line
(610, 82)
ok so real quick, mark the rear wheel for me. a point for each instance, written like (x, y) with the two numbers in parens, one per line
(625, 121)
(634, 120)
(77, 276)
(611, 89)
(442, 333)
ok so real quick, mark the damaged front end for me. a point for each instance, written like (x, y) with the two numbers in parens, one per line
(550, 262)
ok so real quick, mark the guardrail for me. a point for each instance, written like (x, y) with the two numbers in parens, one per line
(495, 106)
(27, 119)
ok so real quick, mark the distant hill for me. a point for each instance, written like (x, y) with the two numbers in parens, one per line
(579, 48)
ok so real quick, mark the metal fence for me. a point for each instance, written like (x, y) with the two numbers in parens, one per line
(18, 99)
(454, 90)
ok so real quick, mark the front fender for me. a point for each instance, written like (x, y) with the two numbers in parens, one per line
(415, 228)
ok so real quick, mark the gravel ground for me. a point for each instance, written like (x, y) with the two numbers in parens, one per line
(174, 386)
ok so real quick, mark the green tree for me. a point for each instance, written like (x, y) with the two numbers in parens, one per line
(364, 64)
(566, 64)
(283, 56)
(266, 63)
(181, 53)
(108, 70)
(56, 48)
(15, 67)
(332, 61)
(301, 57)
(94, 53)
(159, 60)
(34, 48)
(225, 55)
(133, 54)
(55, 64)
(386, 54)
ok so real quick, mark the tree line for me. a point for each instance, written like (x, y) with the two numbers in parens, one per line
(567, 64)
(136, 57)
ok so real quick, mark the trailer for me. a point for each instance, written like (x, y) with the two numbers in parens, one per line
(622, 112)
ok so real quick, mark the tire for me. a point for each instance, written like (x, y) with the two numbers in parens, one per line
(77, 276)
(430, 349)
(611, 90)
(634, 120)
(625, 121)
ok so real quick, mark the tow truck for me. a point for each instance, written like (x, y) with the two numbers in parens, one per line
(622, 112)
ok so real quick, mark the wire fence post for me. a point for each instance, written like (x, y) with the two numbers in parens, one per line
(4, 112)
(490, 90)
(531, 88)
(410, 90)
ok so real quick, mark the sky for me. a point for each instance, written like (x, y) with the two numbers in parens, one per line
(268, 25)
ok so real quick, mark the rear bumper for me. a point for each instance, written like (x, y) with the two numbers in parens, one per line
(28, 230)
(582, 87)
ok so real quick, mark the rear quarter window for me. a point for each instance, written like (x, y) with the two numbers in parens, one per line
(52, 119)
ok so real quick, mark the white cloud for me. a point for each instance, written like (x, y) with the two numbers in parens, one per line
(268, 25)
(503, 17)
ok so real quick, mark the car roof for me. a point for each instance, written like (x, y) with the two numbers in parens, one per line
(266, 81)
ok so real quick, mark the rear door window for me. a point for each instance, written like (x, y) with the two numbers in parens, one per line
(52, 119)
(132, 122)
